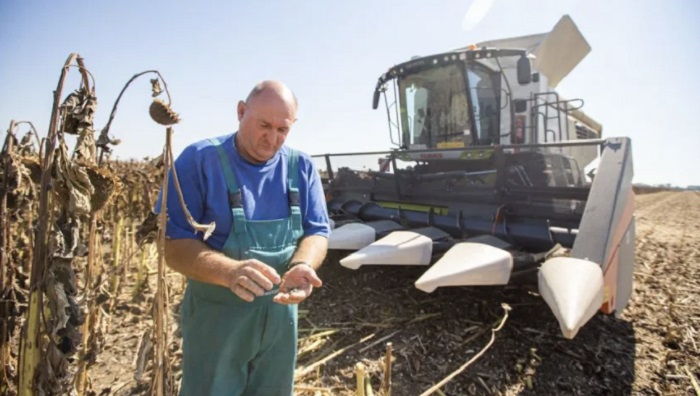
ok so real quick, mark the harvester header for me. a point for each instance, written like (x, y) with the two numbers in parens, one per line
(494, 179)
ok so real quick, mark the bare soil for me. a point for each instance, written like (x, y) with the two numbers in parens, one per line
(650, 349)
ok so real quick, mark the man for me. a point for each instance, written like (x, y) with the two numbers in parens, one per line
(239, 312)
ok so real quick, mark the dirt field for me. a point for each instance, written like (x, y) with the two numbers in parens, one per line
(649, 350)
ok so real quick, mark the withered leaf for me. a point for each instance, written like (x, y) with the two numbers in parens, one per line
(59, 303)
(155, 87)
(78, 112)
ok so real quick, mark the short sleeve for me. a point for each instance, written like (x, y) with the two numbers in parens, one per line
(315, 212)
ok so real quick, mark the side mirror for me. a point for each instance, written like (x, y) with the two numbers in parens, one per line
(375, 100)
(524, 72)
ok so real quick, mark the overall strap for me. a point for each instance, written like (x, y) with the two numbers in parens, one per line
(293, 185)
(234, 193)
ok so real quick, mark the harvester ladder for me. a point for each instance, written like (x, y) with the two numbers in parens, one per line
(541, 103)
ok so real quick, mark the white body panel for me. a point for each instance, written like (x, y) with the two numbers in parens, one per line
(353, 236)
(468, 264)
(397, 248)
(573, 289)
(556, 53)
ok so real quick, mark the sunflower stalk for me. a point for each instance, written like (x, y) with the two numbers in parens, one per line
(386, 379)
(88, 330)
(27, 146)
(360, 379)
(116, 259)
(162, 381)
(141, 273)
(206, 229)
(5, 284)
(436, 388)
(103, 141)
(31, 340)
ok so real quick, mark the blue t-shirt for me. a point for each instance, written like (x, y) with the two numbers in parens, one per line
(263, 189)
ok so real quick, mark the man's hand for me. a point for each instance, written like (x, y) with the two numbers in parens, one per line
(297, 285)
(252, 278)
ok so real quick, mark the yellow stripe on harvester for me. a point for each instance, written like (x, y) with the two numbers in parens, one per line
(449, 145)
(441, 210)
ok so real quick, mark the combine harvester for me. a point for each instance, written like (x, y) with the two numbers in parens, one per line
(496, 179)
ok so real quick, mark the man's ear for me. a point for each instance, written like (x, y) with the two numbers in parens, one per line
(241, 109)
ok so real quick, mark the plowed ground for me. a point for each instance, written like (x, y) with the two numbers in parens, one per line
(651, 349)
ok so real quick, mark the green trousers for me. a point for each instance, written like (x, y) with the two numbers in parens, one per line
(237, 350)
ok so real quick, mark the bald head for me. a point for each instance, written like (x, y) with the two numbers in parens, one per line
(274, 89)
(265, 119)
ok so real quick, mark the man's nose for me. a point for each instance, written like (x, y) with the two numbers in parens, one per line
(268, 137)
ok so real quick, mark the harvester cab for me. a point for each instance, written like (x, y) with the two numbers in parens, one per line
(454, 99)
(495, 179)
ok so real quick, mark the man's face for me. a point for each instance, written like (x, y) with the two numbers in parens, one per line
(265, 122)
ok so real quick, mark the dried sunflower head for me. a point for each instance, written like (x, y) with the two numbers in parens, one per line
(106, 184)
(81, 187)
(162, 113)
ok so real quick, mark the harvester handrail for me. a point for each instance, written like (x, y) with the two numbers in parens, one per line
(353, 153)
(582, 142)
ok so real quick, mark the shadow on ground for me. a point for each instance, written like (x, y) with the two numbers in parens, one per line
(439, 332)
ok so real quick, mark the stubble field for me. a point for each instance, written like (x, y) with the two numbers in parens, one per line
(650, 349)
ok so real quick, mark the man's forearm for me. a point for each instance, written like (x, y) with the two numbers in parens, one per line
(312, 249)
(197, 261)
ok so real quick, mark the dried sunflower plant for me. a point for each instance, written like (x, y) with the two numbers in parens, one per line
(163, 382)
(71, 191)
(19, 170)
(64, 314)
(155, 344)
(100, 296)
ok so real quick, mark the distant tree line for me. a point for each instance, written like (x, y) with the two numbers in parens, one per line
(641, 188)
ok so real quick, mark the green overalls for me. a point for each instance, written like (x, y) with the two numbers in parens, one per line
(238, 348)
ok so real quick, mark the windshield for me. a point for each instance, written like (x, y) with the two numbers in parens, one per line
(435, 107)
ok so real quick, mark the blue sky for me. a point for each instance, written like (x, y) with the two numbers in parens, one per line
(640, 80)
